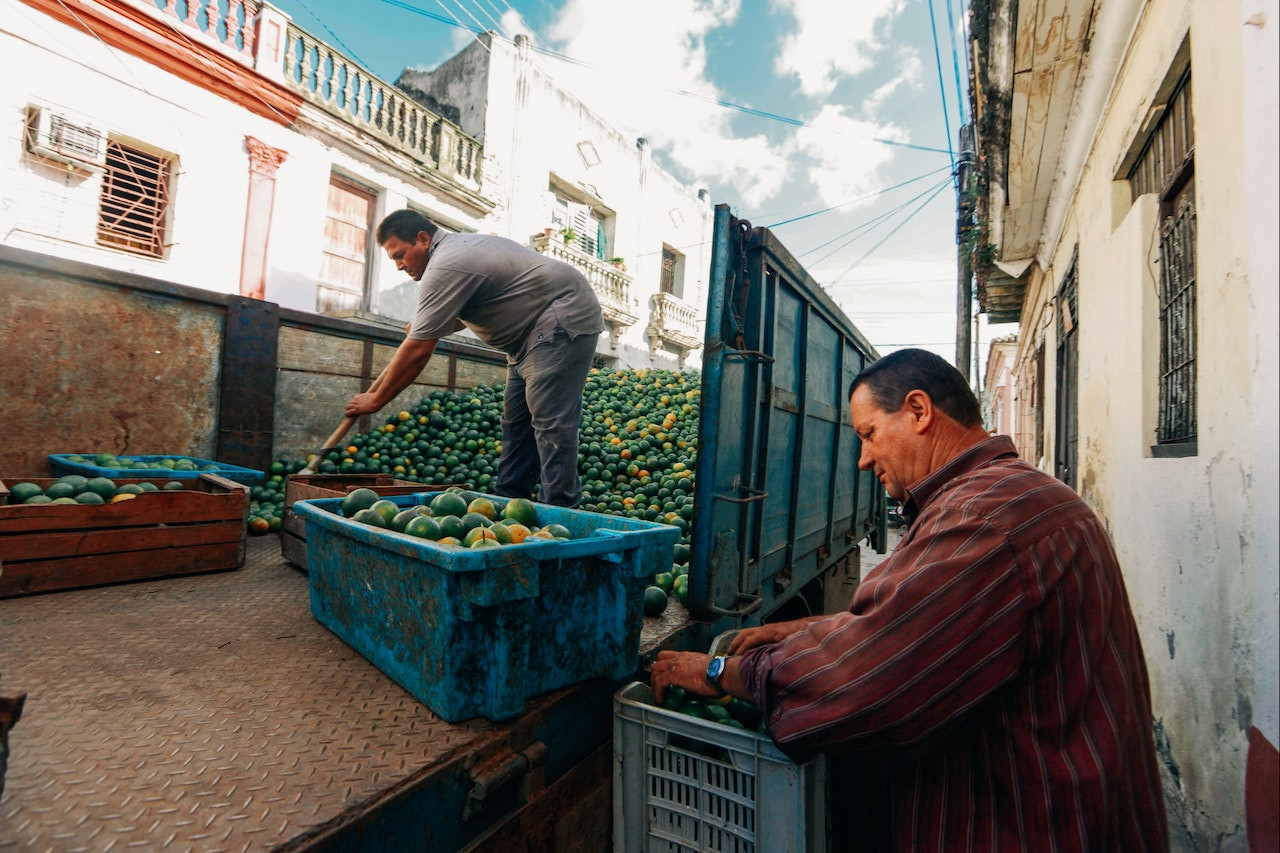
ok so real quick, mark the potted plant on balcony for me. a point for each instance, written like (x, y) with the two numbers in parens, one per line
(619, 263)
(569, 235)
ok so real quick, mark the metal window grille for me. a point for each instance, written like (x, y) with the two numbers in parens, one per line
(134, 204)
(1177, 418)
(1067, 418)
(1170, 145)
(668, 280)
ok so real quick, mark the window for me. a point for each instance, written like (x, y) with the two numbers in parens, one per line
(345, 256)
(672, 275)
(1066, 455)
(133, 209)
(1166, 167)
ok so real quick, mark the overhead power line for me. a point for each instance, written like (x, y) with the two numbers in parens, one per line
(858, 230)
(720, 102)
(942, 89)
(856, 200)
(895, 230)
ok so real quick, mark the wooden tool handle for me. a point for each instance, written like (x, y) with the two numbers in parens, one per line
(343, 428)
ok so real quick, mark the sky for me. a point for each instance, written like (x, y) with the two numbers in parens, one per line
(833, 122)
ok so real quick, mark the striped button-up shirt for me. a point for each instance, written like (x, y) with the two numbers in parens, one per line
(987, 681)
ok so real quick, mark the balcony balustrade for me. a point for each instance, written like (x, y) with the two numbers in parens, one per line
(673, 322)
(335, 83)
(611, 285)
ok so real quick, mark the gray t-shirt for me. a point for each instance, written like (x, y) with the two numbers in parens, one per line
(506, 293)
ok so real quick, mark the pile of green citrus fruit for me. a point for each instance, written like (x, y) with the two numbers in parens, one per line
(76, 489)
(455, 517)
(637, 447)
(127, 463)
(728, 710)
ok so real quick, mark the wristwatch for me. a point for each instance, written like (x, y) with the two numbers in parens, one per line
(714, 670)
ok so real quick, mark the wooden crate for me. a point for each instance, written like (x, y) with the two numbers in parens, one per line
(293, 531)
(46, 547)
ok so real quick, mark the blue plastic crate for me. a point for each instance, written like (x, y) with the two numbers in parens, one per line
(477, 631)
(61, 464)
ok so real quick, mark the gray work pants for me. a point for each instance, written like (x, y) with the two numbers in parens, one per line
(541, 413)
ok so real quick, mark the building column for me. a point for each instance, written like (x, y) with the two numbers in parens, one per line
(263, 162)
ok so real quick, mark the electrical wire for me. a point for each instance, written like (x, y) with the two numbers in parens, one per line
(942, 88)
(858, 230)
(886, 237)
(335, 37)
(720, 102)
(955, 62)
(855, 200)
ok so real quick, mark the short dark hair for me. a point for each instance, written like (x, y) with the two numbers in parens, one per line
(891, 378)
(404, 224)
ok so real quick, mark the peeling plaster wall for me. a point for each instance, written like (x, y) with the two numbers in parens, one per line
(1196, 536)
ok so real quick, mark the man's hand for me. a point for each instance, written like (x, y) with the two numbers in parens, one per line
(681, 669)
(763, 635)
(363, 404)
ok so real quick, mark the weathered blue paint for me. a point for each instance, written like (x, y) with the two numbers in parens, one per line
(778, 496)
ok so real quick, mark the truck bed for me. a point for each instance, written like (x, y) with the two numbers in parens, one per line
(212, 712)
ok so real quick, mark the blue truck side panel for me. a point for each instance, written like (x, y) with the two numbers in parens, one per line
(779, 497)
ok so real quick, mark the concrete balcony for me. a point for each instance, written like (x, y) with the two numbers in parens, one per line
(611, 285)
(673, 322)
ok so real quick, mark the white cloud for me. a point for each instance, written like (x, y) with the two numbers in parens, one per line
(908, 76)
(846, 161)
(639, 56)
(832, 39)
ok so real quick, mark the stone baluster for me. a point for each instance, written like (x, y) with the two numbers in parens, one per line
(290, 59)
(212, 17)
(248, 28)
(307, 85)
(233, 23)
(171, 8)
(193, 9)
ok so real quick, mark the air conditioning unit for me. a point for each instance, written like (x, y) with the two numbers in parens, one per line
(55, 136)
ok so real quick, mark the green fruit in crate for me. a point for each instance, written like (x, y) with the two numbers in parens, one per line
(423, 527)
(387, 509)
(149, 487)
(451, 528)
(130, 489)
(60, 490)
(655, 601)
(679, 553)
(75, 481)
(174, 486)
(105, 460)
(472, 520)
(521, 510)
(89, 498)
(449, 540)
(38, 499)
(358, 499)
(400, 521)
(448, 503)
(501, 532)
(103, 487)
(477, 534)
(559, 531)
(371, 517)
(22, 492)
(65, 501)
(482, 506)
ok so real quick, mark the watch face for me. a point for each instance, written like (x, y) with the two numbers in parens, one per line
(715, 668)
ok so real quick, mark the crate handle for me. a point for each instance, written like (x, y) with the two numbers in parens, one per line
(752, 604)
(753, 495)
(749, 355)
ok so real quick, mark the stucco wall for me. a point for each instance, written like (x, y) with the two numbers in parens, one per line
(45, 208)
(1196, 535)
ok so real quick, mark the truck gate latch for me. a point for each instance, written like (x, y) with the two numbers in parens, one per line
(491, 777)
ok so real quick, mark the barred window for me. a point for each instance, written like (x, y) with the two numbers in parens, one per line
(1167, 167)
(134, 204)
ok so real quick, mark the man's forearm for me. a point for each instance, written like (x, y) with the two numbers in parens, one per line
(410, 359)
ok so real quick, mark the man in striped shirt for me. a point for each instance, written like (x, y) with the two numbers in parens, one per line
(987, 687)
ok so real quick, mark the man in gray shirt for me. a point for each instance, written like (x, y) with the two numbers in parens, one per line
(542, 313)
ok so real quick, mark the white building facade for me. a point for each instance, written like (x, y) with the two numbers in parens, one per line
(1129, 155)
(569, 184)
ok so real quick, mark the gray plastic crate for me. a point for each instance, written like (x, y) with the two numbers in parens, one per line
(686, 785)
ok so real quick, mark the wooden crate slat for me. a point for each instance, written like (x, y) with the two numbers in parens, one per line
(49, 545)
(75, 572)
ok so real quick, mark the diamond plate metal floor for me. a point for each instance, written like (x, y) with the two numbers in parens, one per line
(205, 712)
